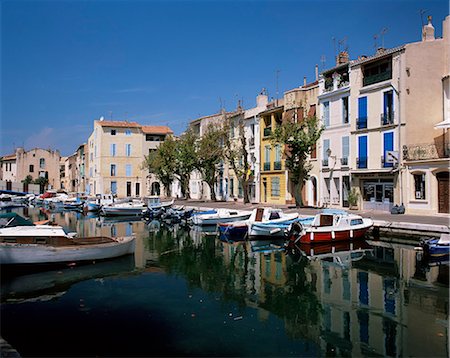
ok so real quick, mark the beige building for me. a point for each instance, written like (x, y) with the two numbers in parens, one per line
(81, 168)
(396, 100)
(39, 163)
(301, 103)
(116, 152)
(8, 171)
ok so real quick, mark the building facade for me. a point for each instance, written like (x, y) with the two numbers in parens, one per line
(8, 168)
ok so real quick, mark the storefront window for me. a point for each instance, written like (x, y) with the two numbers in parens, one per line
(419, 186)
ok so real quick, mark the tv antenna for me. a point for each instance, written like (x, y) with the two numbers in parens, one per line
(422, 12)
(342, 44)
(375, 42)
(334, 46)
(323, 60)
(382, 33)
(277, 72)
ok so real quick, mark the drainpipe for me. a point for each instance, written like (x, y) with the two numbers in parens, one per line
(397, 92)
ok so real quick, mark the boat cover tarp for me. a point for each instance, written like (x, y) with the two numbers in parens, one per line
(13, 219)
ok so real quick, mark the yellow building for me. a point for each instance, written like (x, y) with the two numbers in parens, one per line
(273, 173)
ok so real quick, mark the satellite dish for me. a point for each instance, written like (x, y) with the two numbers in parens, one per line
(102, 118)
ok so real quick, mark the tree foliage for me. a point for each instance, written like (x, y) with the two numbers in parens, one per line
(210, 154)
(299, 140)
(162, 163)
(236, 151)
(186, 160)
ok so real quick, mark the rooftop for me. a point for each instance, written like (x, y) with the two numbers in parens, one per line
(378, 55)
(119, 124)
(156, 130)
(9, 157)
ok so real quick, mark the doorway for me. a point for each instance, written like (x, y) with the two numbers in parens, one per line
(265, 189)
(128, 188)
(443, 192)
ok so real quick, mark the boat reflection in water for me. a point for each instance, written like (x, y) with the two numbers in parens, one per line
(192, 294)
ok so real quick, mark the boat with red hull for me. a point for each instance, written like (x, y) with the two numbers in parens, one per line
(331, 226)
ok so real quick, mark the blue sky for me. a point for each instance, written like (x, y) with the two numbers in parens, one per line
(66, 63)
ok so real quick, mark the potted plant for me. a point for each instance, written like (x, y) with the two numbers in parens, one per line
(353, 197)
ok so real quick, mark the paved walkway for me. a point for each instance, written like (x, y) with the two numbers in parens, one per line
(441, 219)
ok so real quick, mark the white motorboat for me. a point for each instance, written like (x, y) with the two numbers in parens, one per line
(22, 242)
(220, 216)
(123, 209)
(154, 202)
(264, 221)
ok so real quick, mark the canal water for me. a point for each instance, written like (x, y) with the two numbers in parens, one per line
(187, 293)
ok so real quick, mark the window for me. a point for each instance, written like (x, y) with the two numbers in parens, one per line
(277, 164)
(275, 190)
(42, 163)
(267, 157)
(113, 170)
(231, 187)
(326, 114)
(112, 150)
(138, 189)
(345, 150)
(326, 147)
(345, 110)
(388, 108)
(128, 132)
(113, 187)
(388, 140)
(362, 152)
(128, 150)
(361, 122)
(113, 132)
(31, 168)
(128, 170)
(419, 186)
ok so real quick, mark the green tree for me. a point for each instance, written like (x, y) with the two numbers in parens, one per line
(42, 182)
(28, 180)
(236, 151)
(161, 162)
(186, 160)
(299, 140)
(210, 153)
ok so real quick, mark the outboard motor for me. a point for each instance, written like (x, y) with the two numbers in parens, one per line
(296, 232)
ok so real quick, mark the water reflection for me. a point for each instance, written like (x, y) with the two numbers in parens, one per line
(366, 298)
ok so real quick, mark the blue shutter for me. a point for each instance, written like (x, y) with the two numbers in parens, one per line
(388, 145)
(362, 151)
(362, 112)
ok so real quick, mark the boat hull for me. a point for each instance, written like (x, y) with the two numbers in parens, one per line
(215, 219)
(316, 237)
(111, 211)
(12, 253)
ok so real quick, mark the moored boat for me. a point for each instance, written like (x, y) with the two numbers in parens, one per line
(22, 242)
(123, 209)
(220, 216)
(331, 226)
(436, 247)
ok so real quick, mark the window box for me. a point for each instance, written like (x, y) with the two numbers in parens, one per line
(266, 166)
(379, 77)
(387, 118)
(344, 161)
(325, 162)
(276, 165)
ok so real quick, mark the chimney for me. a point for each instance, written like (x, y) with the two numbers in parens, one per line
(342, 58)
(262, 99)
(428, 31)
(304, 81)
(317, 72)
(380, 50)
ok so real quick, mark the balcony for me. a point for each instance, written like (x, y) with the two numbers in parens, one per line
(267, 131)
(379, 77)
(385, 164)
(386, 118)
(266, 166)
(361, 123)
(361, 163)
(426, 151)
(325, 162)
(344, 161)
(276, 166)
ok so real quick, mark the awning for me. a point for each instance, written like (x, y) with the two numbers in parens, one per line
(443, 125)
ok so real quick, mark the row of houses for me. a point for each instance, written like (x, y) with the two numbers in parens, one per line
(386, 119)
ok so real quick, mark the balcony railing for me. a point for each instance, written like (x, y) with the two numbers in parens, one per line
(385, 164)
(344, 161)
(427, 151)
(277, 166)
(325, 162)
(361, 162)
(267, 166)
(361, 123)
(251, 142)
(387, 118)
(369, 80)
(267, 131)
